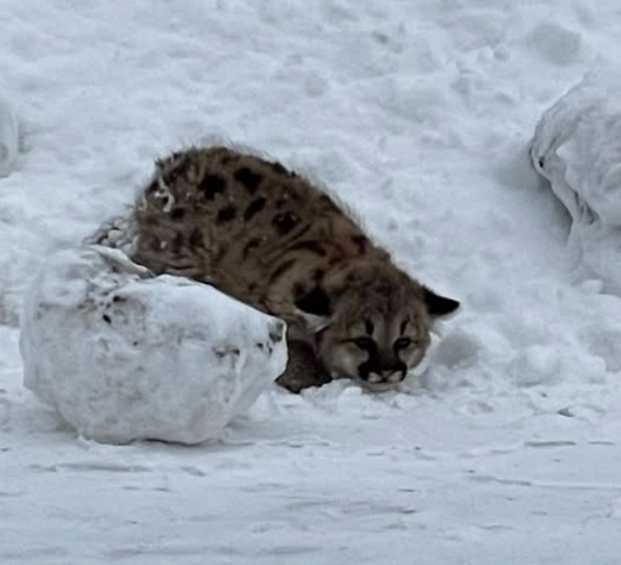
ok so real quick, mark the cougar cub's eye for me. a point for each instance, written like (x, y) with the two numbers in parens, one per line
(365, 343)
(402, 343)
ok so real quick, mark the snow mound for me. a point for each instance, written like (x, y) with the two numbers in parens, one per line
(9, 137)
(123, 355)
(577, 147)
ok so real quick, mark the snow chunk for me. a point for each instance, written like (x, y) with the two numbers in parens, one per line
(577, 147)
(9, 137)
(123, 355)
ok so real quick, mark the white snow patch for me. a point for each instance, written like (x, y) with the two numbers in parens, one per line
(123, 356)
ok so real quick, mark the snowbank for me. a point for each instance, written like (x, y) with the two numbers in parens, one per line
(9, 137)
(123, 356)
(577, 147)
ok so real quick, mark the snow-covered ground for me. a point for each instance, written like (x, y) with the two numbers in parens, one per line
(418, 114)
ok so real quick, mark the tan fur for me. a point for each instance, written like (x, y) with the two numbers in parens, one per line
(269, 238)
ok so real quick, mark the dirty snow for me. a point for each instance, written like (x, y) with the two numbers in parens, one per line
(418, 115)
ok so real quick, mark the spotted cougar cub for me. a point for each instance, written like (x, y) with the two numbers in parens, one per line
(266, 236)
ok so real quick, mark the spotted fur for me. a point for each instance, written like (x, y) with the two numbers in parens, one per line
(268, 237)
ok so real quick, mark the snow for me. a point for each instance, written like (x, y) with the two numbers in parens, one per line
(577, 148)
(9, 137)
(419, 116)
(142, 357)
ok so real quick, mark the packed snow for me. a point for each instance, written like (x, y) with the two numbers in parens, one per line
(124, 356)
(419, 115)
(577, 147)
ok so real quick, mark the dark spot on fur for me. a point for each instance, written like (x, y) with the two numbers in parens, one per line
(312, 246)
(227, 214)
(177, 213)
(212, 185)
(404, 325)
(252, 244)
(196, 237)
(368, 327)
(284, 223)
(118, 299)
(314, 302)
(107, 319)
(152, 187)
(254, 208)
(281, 270)
(280, 170)
(248, 178)
(318, 275)
(360, 241)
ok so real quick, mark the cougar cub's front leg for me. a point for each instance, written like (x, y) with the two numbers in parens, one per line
(303, 369)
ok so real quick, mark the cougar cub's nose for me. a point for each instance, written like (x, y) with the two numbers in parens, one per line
(393, 376)
(390, 376)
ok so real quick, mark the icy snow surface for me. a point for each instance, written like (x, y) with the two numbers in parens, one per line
(142, 357)
(577, 147)
(418, 114)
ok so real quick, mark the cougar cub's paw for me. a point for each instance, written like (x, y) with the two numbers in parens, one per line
(303, 369)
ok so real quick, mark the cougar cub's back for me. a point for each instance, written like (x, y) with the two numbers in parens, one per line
(268, 237)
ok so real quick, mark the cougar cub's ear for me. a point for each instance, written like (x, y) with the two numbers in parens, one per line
(438, 305)
(315, 308)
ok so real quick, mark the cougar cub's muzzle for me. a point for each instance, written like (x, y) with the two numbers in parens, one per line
(375, 375)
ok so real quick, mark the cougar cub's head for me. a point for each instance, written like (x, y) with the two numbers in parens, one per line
(374, 323)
